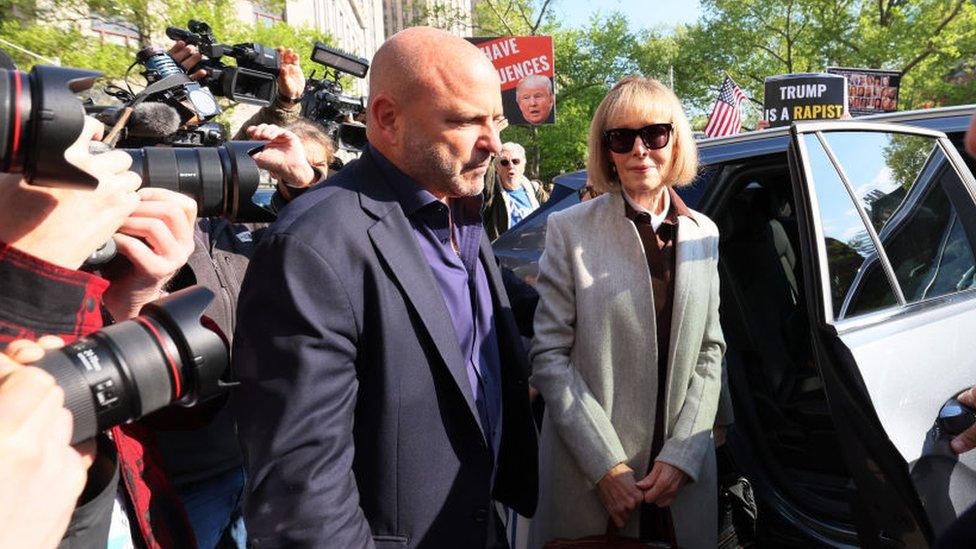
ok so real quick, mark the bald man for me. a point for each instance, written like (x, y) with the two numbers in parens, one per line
(383, 395)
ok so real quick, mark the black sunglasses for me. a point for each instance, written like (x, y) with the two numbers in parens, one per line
(654, 136)
(514, 161)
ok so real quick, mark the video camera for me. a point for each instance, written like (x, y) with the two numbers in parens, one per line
(325, 103)
(40, 117)
(253, 80)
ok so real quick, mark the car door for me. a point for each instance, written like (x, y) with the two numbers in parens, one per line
(887, 219)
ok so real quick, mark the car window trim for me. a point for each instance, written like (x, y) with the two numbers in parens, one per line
(894, 313)
(801, 128)
(959, 164)
(866, 220)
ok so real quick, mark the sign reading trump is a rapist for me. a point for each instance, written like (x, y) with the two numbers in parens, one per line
(794, 97)
(526, 68)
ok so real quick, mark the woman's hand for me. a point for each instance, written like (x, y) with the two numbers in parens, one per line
(661, 486)
(619, 492)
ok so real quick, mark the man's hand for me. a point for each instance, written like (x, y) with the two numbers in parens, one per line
(619, 493)
(661, 486)
(64, 226)
(42, 476)
(188, 56)
(283, 156)
(158, 240)
(291, 79)
(966, 440)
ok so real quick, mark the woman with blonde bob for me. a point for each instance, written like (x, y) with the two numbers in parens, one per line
(628, 347)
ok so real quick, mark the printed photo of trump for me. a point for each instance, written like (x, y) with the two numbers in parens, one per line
(535, 99)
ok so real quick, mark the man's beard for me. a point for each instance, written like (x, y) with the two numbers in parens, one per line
(437, 170)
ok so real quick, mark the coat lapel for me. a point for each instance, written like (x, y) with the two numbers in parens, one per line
(393, 238)
(689, 238)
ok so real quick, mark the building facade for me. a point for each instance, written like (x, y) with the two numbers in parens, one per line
(455, 16)
(356, 26)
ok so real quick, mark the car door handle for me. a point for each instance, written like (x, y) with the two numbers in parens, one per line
(955, 417)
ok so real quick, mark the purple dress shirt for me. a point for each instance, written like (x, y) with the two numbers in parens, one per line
(462, 281)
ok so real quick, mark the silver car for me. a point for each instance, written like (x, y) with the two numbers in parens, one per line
(848, 266)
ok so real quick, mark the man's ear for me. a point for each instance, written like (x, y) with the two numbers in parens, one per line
(386, 118)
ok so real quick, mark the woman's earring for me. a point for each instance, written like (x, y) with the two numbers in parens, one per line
(613, 172)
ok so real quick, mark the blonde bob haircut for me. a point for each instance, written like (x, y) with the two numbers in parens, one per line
(634, 100)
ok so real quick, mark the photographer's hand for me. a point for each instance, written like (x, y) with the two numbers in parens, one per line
(291, 79)
(188, 56)
(157, 239)
(64, 226)
(41, 474)
(283, 156)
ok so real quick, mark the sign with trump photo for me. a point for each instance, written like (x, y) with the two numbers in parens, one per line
(526, 68)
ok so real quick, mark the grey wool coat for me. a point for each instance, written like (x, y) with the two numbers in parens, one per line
(595, 362)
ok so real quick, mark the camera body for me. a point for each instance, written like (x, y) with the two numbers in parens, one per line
(194, 102)
(325, 103)
(253, 80)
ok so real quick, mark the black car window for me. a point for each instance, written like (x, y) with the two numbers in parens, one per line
(850, 251)
(916, 202)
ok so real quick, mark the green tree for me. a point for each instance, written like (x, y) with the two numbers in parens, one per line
(752, 39)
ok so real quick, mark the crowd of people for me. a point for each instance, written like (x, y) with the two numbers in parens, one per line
(384, 392)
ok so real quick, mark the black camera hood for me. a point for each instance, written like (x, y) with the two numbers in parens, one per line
(58, 122)
(203, 352)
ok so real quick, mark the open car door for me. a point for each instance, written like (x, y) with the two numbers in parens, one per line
(887, 219)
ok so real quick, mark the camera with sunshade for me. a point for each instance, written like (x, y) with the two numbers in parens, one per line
(325, 103)
(253, 80)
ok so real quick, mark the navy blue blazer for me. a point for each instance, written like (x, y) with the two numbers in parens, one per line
(354, 408)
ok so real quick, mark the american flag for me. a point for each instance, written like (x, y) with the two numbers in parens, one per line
(726, 118)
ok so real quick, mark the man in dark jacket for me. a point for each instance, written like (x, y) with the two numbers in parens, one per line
(204, 462)
(384, 395)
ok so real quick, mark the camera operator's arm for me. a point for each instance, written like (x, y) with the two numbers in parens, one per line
(284, 158)
(64, 226)
(157, 240)
(41, 474)
(47, 233)
(286, 107)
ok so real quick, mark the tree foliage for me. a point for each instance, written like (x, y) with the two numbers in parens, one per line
(54, 29)
(932, 41)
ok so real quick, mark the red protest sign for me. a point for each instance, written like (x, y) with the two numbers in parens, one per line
(526, 68)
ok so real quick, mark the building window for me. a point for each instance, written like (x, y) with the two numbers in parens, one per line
(265, 16)
(114, 28)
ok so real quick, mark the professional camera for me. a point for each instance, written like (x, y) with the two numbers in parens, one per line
(127, 370)
(194, 102)
(253, 80)
(221, 179)
(325, 103)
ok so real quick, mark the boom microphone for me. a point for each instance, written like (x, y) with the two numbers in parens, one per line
(153, 120)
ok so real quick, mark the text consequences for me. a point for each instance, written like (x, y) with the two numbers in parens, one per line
(526, 70)
(515, 72)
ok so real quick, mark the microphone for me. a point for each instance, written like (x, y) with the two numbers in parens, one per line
(153, 120)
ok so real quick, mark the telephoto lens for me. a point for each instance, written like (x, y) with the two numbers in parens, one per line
(222, 179)
(127, 370)
(40, 117)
